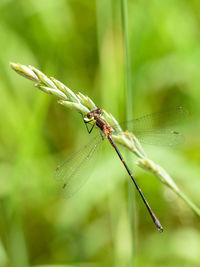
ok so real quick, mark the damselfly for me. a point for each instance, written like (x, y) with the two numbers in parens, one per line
(142, 127)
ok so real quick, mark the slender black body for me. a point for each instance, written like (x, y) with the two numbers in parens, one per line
(105, 128)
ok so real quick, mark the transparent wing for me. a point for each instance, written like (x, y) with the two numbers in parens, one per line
(158, 128)
(157, 120)
(69, 173)
(162, 137)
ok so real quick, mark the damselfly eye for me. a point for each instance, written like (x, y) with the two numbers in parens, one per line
(89, 115)
(99, 111)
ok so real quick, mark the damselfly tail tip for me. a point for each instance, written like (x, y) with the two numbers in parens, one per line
(157, 223)
(159, 226)
(160, 229)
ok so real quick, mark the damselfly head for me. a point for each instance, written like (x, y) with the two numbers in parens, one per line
(94, 112)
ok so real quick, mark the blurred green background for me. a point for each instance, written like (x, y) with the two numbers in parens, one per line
(81, 44)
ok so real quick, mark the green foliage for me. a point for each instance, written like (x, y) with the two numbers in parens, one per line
(81, 44)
